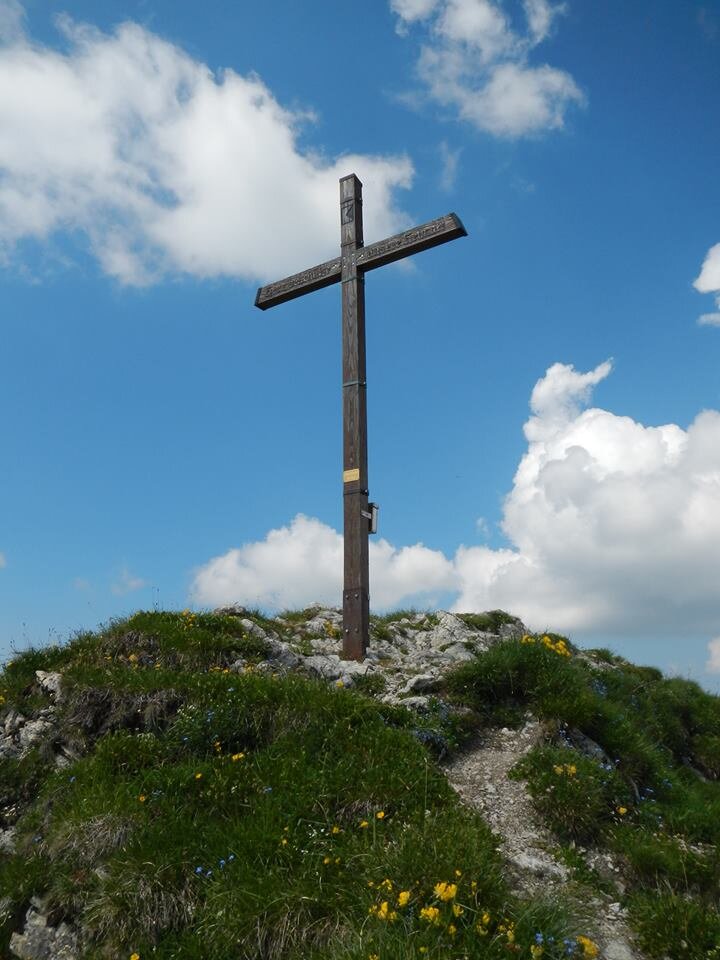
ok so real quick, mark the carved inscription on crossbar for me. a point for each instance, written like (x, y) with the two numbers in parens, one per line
(315, 278)
(401, 245)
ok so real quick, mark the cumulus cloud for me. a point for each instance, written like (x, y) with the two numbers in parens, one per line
(162, 165)
(303, 562)
(709, 282)
(713, 661)
(613, 527)
(474, 62)
(126, 583)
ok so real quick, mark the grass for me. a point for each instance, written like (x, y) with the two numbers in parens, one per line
(217, 811)
(631, 767)
(489, 622)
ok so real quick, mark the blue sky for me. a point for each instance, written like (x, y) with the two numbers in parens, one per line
(543, 395)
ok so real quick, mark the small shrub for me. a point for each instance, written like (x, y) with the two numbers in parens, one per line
(577, 796)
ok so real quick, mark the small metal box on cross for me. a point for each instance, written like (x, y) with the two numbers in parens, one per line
(350, 268)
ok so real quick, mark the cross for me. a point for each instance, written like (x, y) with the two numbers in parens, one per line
(349, 269)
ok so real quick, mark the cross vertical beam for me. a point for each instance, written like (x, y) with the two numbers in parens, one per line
(356, 580)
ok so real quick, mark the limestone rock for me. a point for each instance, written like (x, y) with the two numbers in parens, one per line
(7, 841)
(253, 629)
(420, 683)
(33, 733)
(539, 866)
(40, 941)
(50, 682)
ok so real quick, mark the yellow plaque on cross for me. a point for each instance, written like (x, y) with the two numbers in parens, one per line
(350, 475)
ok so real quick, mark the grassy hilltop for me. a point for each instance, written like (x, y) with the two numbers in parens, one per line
(182, 795)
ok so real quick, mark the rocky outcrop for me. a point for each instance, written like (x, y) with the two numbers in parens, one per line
(41, 941)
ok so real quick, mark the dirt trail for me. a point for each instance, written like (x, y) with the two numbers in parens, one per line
(480, 776)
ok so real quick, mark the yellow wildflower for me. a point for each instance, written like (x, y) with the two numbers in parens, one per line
(364, 824)
(237, 756)
(380, 815)
(335, 830)
(485, 919)
(373, 956)
(326, 860)
(622, 811)
(458, 873)
(386, 885)
(133, 658)
(198, 776)
(590, 949)
(403, 898)
(134, 956)
(284, 842)
(457, 910)
(452, 929)
(431, 914)
(383, 912)
(536, 951)
(558, 769)
(571, 769)
(142, 798)
(445, 891)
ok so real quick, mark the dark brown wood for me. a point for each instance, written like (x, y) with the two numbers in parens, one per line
(350, 268)
(356, 584)
(316, 278)
(402, 245)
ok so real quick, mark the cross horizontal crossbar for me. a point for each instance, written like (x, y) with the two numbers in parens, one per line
(405, 244)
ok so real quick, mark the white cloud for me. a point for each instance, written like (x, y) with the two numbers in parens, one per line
(540, 16)
(613, 526)
(411, 10)
(709, 279)
(303, 562)
(126, 583)
(713, 661)
(12, 18)
(450, 160)
(709, 282)
(475, 63)
(162, 165)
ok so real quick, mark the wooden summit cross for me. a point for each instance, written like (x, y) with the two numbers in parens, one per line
(350, 268)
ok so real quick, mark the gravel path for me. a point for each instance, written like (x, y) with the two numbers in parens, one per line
(480, 776)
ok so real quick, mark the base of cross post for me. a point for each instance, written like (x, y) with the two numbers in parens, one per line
(356, 623)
